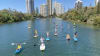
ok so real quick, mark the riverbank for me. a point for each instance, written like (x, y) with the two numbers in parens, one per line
(10, 16)
(87, 15)
(83, 23)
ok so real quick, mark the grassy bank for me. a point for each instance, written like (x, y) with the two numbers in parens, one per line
(10, 16)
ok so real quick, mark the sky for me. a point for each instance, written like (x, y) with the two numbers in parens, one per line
(20, 5)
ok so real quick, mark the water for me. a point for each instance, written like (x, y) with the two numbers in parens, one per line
(88, 39)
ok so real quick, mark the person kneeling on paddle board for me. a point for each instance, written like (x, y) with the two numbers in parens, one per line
(68, 37)
(75, 35)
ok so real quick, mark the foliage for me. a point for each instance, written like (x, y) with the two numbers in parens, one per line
(97, 20)
(83, 15)
(9, 16)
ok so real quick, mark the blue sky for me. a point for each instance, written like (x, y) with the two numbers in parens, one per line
(20, 5)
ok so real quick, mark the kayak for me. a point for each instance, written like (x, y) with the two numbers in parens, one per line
(42, 47)
(47, 39)
(75, 39)
(18, 50)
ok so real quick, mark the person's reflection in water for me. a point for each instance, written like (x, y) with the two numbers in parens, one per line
(75, 35)
(75, 43)
(42, 53)
(20, 54)
(68, 42)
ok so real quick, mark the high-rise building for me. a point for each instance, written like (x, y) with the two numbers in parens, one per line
(58, 8)
(30, 6)
(49, 6)
(97, 2)
(43, 10)
(78, 4)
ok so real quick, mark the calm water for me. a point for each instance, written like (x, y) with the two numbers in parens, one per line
(88, 36)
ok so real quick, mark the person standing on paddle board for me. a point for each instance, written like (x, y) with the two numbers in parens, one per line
(42, 40)
(47, 34)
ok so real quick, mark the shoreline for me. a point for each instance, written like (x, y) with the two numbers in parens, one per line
(16, 22)
(72, 21)
(84, 23)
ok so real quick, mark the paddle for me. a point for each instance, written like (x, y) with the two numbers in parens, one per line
(18, 43)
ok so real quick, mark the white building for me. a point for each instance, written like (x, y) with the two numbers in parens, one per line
(58, 8)
(30, 6)
(43, 10)
(49, 5)
(97, 2)
(78, 4)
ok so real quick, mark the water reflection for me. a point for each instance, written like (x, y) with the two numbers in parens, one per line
(42, 54)
(87, 45)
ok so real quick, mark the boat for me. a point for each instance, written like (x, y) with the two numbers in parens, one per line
(68, 37)
(75, 39)
(36, 34)
(42, 47)
(18, 49)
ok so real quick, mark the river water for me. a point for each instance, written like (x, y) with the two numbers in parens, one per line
(88, 38)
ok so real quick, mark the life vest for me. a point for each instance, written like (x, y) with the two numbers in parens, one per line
(19, 47)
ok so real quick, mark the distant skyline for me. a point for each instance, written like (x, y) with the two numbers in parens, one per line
(20, 5)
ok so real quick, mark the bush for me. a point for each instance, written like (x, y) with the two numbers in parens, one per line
(83, 15)
(97, 20)
(9, 16)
